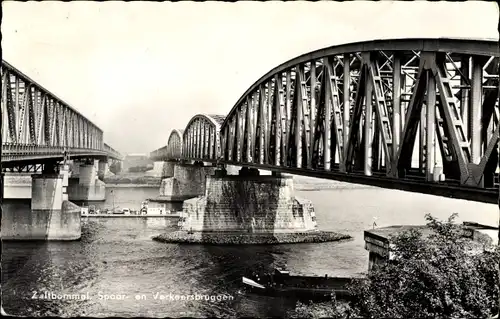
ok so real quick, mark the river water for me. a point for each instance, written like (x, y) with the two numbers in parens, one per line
(117, 259)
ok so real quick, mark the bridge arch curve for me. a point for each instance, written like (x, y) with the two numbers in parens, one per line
(202, 138)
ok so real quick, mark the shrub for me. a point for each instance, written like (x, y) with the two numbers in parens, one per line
(442, 275)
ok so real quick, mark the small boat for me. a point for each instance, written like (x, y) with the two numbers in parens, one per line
(252, 283)
(117, 211)
(281, 283)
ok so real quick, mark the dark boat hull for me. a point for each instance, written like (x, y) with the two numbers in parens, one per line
(302, 287)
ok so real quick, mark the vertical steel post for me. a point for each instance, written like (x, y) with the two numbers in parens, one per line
(368, 125)
(300, 116)
(422, 141)
(328, 120)
(464, 100)
(312, 112)
(430, 127)
(476, 110)
(396, 117)
(347, 100)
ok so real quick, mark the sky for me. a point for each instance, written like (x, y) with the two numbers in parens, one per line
(140, 69)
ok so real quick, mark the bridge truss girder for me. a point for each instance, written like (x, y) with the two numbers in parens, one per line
(201, 138)
(443, 91)
(172, 151)
(37, 125)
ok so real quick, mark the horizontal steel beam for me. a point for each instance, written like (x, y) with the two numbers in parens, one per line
(450, 190)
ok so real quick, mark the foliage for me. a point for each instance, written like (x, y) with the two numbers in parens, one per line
(442, 275)
(330, 309)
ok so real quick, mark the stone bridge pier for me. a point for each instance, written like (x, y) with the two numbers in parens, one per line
(187, 181)
(164, 169)
(52, 216)
(248, 203)
(103, 170)
(84, 183)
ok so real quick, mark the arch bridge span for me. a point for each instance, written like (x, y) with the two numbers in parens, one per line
(202, 138)
(392, 113)
(173, 150)
(198, 141)
(413, 114)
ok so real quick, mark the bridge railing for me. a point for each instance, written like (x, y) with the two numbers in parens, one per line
(17, 152)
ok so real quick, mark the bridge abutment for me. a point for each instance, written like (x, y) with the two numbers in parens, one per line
(248, 203)
(52, 216)
(188, 181)
(86, 186)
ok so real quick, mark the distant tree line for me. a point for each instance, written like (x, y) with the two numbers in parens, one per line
(136, 169)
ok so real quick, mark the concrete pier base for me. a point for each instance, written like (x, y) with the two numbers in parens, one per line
(168, 169)
(188, 182)
(248, 209)
(52, 216)
(162, 169)
(248, 203)
(103, 170)
(87, 186)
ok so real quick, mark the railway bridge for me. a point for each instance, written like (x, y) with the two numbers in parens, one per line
(43, 135)
(413, 114)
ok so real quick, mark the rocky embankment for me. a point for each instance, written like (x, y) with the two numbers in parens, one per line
(222, 238)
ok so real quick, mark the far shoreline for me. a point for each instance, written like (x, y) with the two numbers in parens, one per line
(132, 185)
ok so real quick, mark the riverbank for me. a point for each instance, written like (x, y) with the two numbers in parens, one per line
(132, 185)
(133, 180)
(223, 238)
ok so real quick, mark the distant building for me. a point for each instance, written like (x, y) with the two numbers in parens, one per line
(156, 208)
(136, 163)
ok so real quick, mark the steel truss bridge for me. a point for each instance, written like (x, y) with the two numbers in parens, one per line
(415, 114)
(38, 127)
